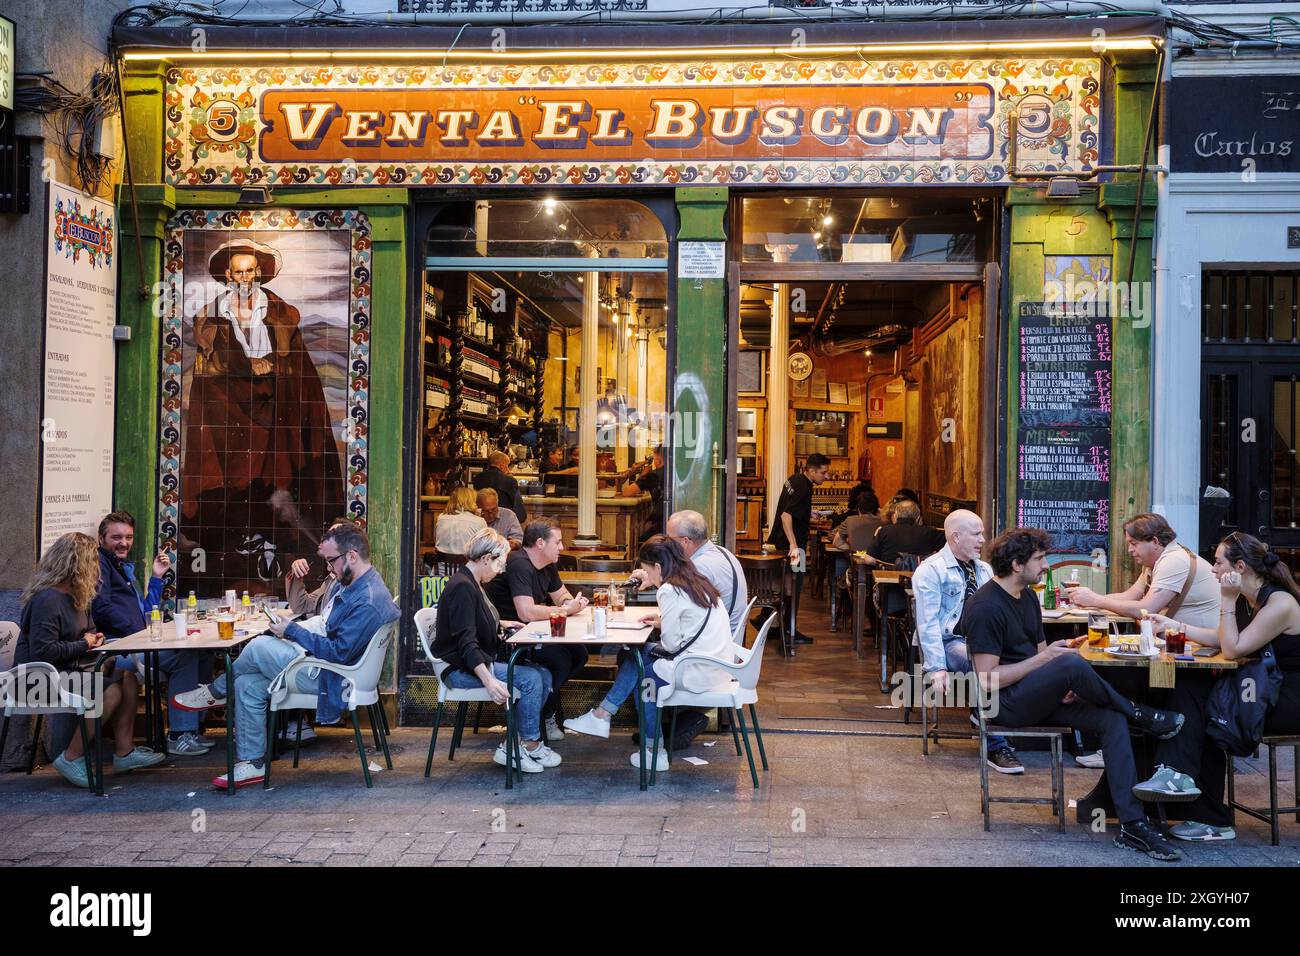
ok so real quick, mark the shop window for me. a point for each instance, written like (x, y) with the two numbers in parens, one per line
(556, 332)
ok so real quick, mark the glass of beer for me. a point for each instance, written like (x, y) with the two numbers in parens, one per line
(1098, 630)
(559, 623)
(226, 627)
(617, 599)
(1040, 589)
(1176, 638)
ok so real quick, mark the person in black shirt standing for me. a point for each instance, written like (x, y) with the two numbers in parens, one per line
(527, 591)
(1032, 682)
(790, 527)
(650, 481)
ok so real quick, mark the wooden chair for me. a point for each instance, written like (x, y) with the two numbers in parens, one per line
(447, 562)
(765, 579)
(1273, 814)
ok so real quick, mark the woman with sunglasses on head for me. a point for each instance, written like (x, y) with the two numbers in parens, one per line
(691, 615)
(1245, 568)
(467, 636)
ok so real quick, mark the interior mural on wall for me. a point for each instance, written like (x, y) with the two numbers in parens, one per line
(265, 413)
(952, 375)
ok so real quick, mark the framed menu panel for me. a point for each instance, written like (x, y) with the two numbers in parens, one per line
(1064, 433)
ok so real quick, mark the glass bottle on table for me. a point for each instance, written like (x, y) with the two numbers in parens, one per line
(155, 625)
(1049, 592)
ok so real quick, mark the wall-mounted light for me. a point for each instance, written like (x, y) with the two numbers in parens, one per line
(255, 196)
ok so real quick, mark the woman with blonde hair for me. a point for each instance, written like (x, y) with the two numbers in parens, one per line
(459, 522)
(56, 628)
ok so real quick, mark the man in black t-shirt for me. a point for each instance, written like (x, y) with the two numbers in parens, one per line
(1030, 682)
(790, 527)
(526, 591)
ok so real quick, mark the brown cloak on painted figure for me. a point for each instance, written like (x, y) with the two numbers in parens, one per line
(262, 471)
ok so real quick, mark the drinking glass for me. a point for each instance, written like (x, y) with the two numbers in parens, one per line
(1098, 627)
(559, 623)
(1176, 638)
(617, 599)
(226, 627)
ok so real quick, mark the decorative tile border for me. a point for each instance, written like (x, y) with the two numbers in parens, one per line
(172, 303)
(213, 128)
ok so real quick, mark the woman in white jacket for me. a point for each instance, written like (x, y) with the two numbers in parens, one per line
(691, 619)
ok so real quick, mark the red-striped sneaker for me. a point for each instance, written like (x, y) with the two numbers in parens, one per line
(200, 698)
(246, 773)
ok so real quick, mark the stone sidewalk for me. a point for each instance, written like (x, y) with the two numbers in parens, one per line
(829, 799)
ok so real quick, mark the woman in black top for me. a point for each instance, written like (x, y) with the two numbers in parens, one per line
(55, 628)
(1245, 568)
(467, 637)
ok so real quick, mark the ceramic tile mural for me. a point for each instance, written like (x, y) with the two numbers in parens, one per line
(781, 121)
(265, 391)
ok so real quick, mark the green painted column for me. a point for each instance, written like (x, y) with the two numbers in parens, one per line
(698, 379)
(136, 439)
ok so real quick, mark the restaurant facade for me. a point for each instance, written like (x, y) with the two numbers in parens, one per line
(744, 244)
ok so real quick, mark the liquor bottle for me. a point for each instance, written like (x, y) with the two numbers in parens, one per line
(1049, 592)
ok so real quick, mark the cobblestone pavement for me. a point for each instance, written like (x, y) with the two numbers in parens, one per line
(828, 800)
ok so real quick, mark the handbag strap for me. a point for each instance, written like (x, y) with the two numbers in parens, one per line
(1177, 602)
(669, 655)
(735, 582)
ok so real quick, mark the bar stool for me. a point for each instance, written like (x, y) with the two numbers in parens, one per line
(765, 579)
(1273, 813)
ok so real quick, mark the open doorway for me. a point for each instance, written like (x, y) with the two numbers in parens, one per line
(874, 350)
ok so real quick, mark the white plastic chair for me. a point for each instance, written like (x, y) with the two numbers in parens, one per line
(362, 691)
(39, 673)
(425, 620)
(738, 635)
(742, 690)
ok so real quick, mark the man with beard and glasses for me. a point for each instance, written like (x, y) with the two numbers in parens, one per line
(362, 606)
(260, 452)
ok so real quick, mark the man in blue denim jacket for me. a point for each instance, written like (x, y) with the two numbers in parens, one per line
(941, 584)
(362, 607)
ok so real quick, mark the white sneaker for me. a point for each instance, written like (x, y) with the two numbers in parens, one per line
(588, 724)
(544, 755)
(526, 763)
(292, 731)
(246, 773)
(660, 765)
(200, 698)
(553, 731)
(1091, 761)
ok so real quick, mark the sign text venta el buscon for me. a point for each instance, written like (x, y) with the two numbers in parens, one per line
(928, 121)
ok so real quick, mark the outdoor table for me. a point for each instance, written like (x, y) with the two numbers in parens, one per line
(578, 631)
(205, 640)
(1099, 796)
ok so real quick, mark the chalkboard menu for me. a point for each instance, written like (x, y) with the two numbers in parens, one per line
(1063, 440)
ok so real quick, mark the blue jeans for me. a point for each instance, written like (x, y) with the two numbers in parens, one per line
(957, 659)
(262, 660)
(533, 684)
(184, 671)
(625, 683)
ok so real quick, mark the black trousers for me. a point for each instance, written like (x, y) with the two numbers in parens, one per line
(1193, 753)
(1100, 709)
(563, 661)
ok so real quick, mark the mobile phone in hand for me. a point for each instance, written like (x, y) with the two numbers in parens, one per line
(270, 617)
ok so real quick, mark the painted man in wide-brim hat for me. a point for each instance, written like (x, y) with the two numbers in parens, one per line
(260, 450)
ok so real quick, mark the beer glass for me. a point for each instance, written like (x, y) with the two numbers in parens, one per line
(1098, 629)
(226, 627)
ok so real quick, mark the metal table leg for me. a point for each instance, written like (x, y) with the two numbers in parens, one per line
(640, 713)
(230, 725)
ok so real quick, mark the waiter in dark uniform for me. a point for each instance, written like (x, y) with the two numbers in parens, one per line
(790, 527)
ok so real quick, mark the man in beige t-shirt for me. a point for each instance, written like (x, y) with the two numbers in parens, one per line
(1165, 566)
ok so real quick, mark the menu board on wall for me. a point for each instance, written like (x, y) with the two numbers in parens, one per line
(78, 380)
(1063, 439)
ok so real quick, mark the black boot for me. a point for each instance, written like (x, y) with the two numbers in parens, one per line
(1161, 724)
